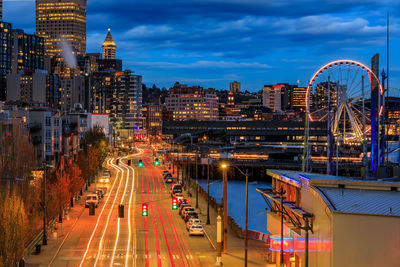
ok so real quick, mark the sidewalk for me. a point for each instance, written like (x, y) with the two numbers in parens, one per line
(56, 237)
(235, 257)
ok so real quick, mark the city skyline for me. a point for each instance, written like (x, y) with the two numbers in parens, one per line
(215, 42)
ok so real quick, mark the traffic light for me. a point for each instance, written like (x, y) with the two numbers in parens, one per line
(140, 163)
(174, 203)
(129, 162)
(145, 209)
(156, 162)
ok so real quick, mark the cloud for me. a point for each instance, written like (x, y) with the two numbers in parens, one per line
(201, 64)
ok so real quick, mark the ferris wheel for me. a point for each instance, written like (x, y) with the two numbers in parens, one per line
(339, 93)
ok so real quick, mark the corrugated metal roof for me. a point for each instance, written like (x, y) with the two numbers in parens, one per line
(375, 202)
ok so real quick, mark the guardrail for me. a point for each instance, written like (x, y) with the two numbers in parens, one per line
(36, 239)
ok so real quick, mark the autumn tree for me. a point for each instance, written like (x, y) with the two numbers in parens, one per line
(95, 150)
(13, 228)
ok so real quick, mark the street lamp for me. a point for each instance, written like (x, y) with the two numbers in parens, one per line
(44, 241)
(224, 166)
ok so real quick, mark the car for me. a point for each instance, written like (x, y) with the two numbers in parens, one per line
(167, 176)
(186, 210)
(183, 201)
(189, 215)
(169, 179)
(92, 198)
(100, 193)
(196, 230)
(192, 221)
(165, 172)
(179, 198)
(177, 194)
(183, 206)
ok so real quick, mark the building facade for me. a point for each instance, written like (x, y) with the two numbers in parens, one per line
(28, 51)
(192, 103)
(127, 100)
(109, 47)
(58, 20)
(28, 86)
(234, 87)
(153, 118)
(277, 97)
(299, 98)
(332, 221)
(5, 56)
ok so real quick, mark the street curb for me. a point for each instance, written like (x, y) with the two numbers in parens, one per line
(65, 238)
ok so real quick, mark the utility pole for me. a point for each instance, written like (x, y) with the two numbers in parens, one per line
(281, 194)
(208, 190)
(225, 178)
(44, 241)
(197, 184)
(247, 218)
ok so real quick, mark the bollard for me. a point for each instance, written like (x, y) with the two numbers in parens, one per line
(91, 209)
(38, 248)
(121, 211)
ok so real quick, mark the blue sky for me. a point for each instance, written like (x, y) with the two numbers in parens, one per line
(213, 42)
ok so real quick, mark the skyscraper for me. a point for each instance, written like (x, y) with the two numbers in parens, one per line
(1, 9)
(234, 87)
(58, 20)
(109, 47)
(5, 56)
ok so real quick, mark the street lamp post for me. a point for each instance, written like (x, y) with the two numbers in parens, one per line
(197, 185)
(247, 218)
(246, 174)
(44, 242)
(208, 191)
(225, 197)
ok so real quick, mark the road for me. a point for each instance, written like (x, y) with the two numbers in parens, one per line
(160, 239)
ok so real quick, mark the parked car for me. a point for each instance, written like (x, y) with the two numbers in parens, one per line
(92, 198)
(182, 201)
(185, 210)
(182, 206)
(192, 221)
(189, 215)
(196, 230)
(167, 175)
(177, 194)
(100, 193)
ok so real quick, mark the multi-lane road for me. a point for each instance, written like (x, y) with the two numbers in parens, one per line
(160, 239)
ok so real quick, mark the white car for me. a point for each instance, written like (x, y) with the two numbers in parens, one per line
(191, 222)
(196, 230)
(92, 198)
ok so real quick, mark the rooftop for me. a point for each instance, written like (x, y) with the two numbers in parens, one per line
(348, 194)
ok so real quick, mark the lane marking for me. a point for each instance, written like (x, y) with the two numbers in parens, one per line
(109, 214)
(98, 219)
(119, 219)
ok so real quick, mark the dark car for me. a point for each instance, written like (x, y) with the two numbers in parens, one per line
(190, 214)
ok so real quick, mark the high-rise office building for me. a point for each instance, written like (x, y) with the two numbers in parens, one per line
(5, 56)
(192, 103)
(127, 106)
(109, 47)
(58, 20)
(234, 87)
(28, 51)
(299, 98)
(277, 97)
(1, 9)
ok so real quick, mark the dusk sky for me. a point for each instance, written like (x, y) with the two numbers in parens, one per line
(213, 42)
